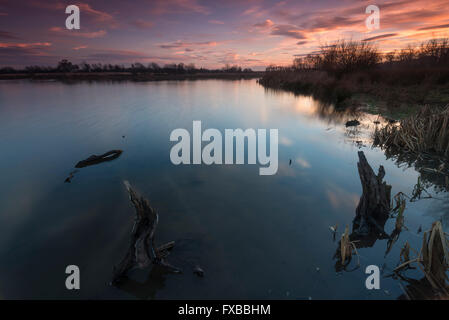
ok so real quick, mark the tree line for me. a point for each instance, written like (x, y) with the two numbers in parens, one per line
(344, 57)
(65, 66)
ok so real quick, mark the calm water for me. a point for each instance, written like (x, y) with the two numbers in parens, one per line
(255, 236)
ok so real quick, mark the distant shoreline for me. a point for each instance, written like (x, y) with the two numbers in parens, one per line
(130, 76)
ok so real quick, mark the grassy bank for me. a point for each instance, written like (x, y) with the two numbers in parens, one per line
(357, 74)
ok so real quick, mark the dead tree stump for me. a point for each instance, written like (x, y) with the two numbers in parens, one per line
(374, 207)
(142, 251)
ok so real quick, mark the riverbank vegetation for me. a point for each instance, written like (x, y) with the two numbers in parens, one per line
(427, 131)
(356, 72)
(420, 140)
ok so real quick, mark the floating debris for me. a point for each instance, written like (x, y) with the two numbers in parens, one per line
(345, 246)
(198, 271)
(70, 177)
(96, 159)
(352, 123)
(334, 231)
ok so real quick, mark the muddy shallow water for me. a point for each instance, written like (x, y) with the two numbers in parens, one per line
(256, 237)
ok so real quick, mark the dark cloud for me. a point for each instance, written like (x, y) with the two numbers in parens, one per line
(77, 33)
(288, 30)
(25, 53)
(7, 35)
(332, 22)
(122, 56)
(441, 26)
(160, 7)
(267, 23)
(382, 36)
(300, 43)
(180, 44)
(142, 24)
(117, 55)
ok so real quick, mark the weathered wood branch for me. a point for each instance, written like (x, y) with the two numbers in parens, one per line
(96, 159)
(142, 251)
(374, 207)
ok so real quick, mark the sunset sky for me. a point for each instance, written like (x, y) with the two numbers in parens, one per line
(252, 33)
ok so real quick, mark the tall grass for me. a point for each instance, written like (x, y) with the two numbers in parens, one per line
(424, 132)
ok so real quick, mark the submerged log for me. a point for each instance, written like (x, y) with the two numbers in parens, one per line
(142, 251)
(374, 207)
(96, 159)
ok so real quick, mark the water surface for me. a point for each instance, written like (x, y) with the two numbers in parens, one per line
(256, 237)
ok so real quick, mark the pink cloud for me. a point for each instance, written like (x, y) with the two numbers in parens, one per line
(25, 45)
(99, 15)
(77, 33)
(216, 22)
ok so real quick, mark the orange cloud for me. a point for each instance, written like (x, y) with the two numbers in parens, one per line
(25, 45)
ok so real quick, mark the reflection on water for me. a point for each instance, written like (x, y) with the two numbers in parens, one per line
(255, 236)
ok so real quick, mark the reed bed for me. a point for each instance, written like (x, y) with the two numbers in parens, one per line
(427, 131)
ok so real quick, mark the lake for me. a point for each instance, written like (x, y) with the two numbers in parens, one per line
(256, 237)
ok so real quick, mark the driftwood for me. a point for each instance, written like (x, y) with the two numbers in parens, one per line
(70, 177)
(94, 159)
(142, 251)
(374, 207)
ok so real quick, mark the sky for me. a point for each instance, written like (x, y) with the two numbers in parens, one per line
(210, 34)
